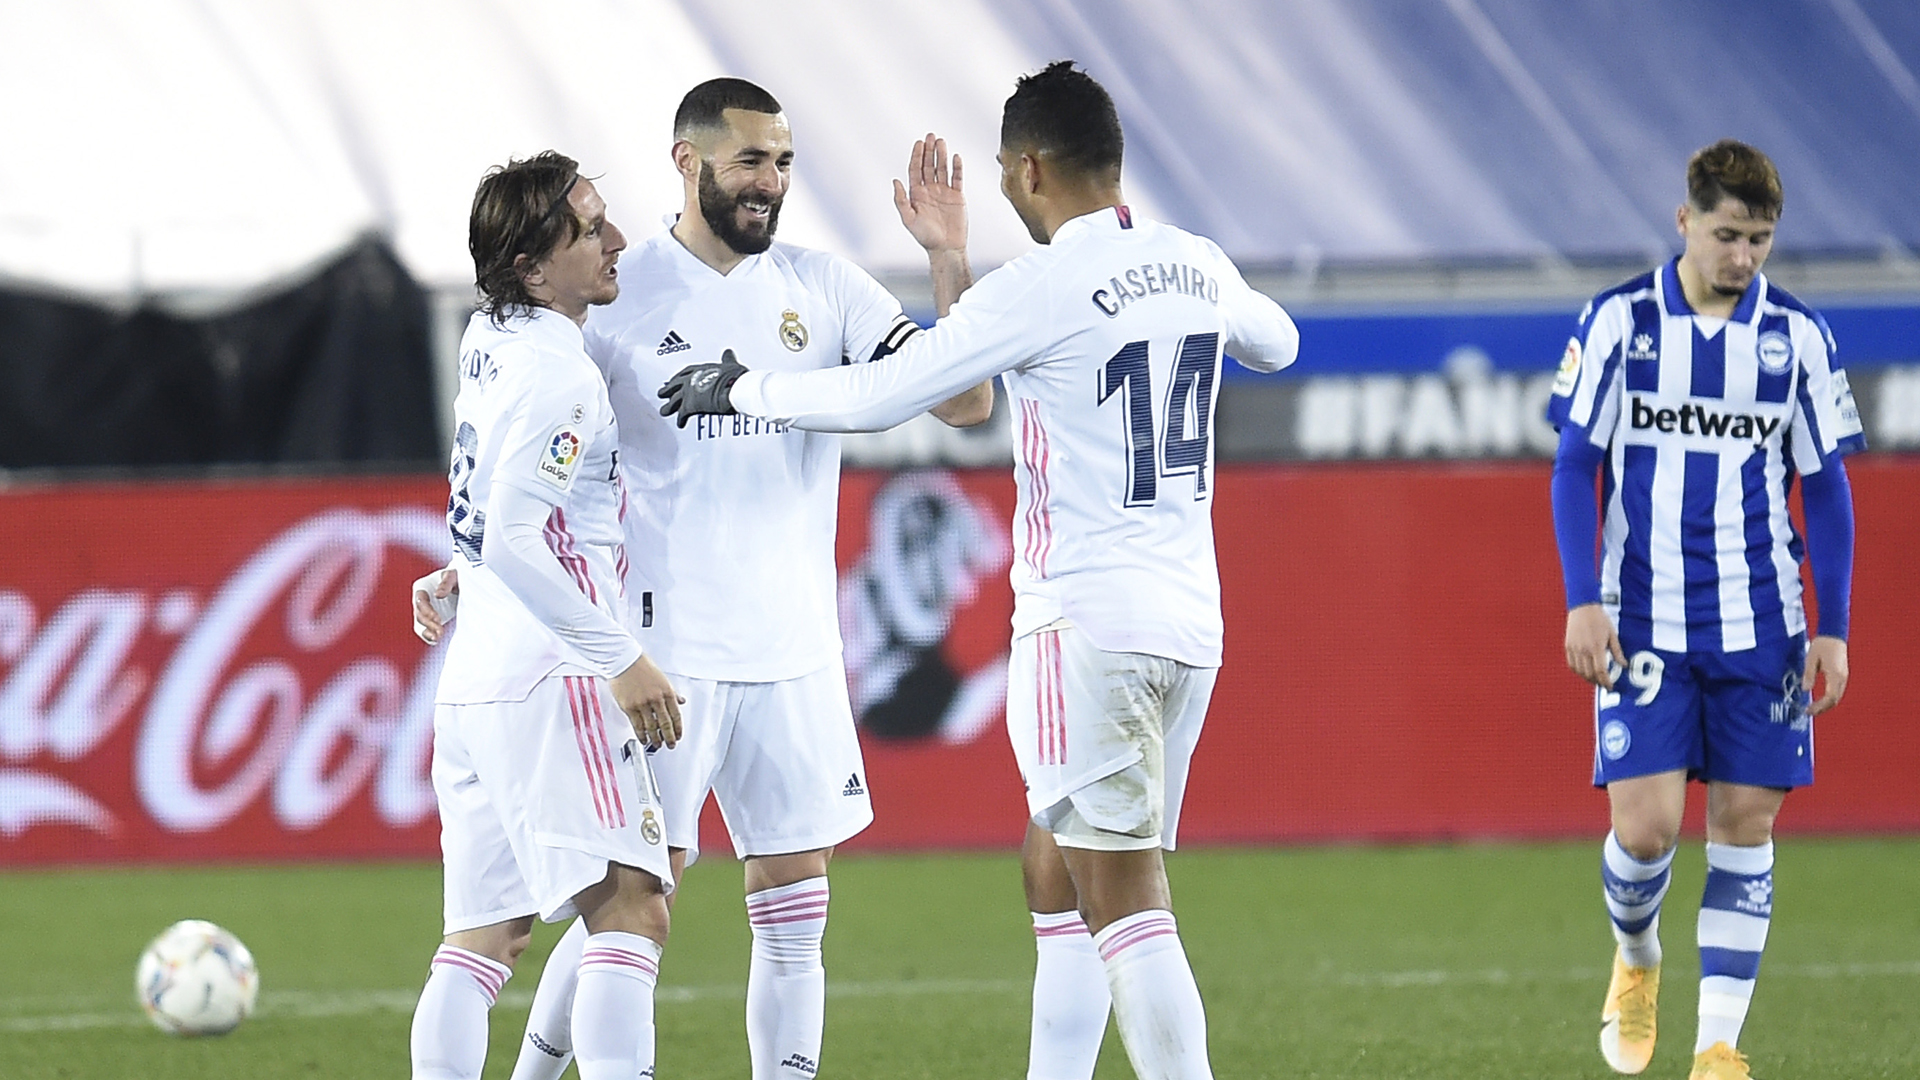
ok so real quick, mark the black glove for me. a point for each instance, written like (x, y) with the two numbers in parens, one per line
(702, 389)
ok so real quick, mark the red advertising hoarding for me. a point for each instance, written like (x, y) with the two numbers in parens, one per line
(225, 670)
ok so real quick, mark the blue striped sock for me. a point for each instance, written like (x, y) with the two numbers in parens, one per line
(1634, 890)
(1735, 911)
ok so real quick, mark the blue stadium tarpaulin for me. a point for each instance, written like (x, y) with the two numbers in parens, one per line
(177, 146)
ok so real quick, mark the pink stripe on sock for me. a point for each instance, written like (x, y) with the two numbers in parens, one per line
(602, 956)
(489, 978)
(758, 901)
(767, 911)
(1144, 930)
(802, 917)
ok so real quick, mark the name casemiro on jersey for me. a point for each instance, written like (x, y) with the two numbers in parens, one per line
(1153, 279)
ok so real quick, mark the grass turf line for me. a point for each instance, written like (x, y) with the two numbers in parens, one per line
(1441, 962)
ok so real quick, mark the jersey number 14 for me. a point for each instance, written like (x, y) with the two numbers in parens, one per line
(1183, 446)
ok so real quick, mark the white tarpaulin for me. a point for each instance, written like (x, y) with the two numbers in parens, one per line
(170, 146)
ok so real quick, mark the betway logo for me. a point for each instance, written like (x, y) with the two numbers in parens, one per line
(1692, 419)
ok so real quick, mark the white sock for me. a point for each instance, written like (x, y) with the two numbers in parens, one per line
(548, 1045)
(786, 984)
(1633, 891)
(1070, 999)
(1736, 909)
(1155, 1000)
(613, 1006)
(450, 1022)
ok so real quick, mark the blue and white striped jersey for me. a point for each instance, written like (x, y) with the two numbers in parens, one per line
(1704, 423)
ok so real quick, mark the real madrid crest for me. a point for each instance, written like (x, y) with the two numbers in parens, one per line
(649, 827)
(792, 334)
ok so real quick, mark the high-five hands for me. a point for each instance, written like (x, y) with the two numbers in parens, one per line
(931, 203)
(702, 389)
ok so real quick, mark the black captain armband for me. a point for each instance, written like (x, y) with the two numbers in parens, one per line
(897, 335)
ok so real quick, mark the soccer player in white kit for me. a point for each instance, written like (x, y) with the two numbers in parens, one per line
(1702, 390)
(546, 804)
(1109, 339)
(731, 537)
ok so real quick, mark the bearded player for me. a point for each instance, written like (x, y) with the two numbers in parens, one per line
(731, 537)
(1110, 338)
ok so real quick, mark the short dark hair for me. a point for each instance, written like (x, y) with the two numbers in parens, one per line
(1731, 167)
(705, 105)
(520, 208)
(1064, 113)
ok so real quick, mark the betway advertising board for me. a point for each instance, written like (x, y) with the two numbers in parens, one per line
(226, 671)
(1473, 383)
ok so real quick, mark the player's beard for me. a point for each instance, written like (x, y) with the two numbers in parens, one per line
(721, 213)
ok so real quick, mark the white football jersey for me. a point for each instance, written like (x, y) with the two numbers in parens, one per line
(532, 413)
(1110, 339)
(731, 536)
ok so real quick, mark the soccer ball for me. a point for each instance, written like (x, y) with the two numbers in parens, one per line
(196, 979)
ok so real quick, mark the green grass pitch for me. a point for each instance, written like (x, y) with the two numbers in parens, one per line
(1431, 962)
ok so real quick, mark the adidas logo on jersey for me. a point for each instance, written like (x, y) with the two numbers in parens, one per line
(1692, 419)
(854, 786)
(672, 343)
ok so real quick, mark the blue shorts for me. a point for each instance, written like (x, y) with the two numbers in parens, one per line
(1739, 717)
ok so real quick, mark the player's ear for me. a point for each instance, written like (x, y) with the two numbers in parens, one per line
(686, 158)
(1680, 219)
(1030, 173)
(532, 274)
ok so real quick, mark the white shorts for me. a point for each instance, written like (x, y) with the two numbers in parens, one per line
(1103, 739)
(781, 759)
(536, 798)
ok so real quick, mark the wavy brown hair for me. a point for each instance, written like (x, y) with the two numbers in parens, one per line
(520, 208)
(1731, 167)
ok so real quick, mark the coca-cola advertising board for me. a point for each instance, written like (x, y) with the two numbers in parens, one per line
(221, 671)
(216, 670)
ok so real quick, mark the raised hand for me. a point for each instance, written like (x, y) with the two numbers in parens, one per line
(931, 203)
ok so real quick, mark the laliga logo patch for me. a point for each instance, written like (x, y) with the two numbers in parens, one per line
(563, 453)
(792, 334)
(1615, 740)
(1569, 372)
(1775, 352)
